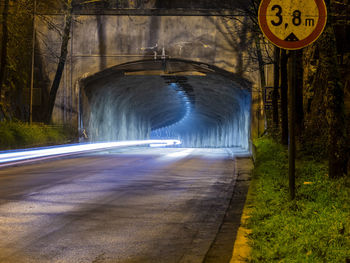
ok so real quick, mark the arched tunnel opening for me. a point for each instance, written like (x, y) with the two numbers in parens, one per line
(196, 103)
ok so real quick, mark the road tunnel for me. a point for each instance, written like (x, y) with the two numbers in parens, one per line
(199, 104)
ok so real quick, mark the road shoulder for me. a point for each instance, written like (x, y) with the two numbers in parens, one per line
(222, 249)
(241, 249)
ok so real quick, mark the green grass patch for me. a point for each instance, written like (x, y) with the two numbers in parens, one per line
(18, 134)
(313, 228)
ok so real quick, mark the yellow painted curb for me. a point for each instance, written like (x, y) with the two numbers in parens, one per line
(241, 249)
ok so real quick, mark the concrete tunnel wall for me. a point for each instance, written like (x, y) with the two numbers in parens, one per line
(99, 42)
(205, 110)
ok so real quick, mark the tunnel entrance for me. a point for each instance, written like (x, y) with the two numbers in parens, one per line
(199, 104)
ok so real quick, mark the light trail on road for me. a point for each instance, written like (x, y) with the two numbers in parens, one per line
(29, 154)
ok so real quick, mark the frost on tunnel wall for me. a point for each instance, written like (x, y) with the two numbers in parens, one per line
(123, 109)
(109, 122)
(214, 112)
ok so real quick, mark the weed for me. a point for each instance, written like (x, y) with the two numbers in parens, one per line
(313, 228)
(18, 134)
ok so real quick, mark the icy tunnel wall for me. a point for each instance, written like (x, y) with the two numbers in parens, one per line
(218, 117)
(214, 112)
(129, 108)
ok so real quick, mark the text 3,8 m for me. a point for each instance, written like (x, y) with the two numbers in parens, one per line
(297, 19)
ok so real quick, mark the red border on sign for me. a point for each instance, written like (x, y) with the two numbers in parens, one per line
(292, 44)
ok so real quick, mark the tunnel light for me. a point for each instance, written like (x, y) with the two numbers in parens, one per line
(49, 152)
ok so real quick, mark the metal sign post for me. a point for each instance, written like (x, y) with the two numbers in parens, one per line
(292, 25)
(292, 70)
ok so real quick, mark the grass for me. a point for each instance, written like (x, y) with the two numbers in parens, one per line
(313, 228)
(21, 135)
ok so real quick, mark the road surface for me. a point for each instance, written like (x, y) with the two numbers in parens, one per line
(125, 205)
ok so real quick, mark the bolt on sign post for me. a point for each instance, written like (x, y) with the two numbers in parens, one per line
(292, 25)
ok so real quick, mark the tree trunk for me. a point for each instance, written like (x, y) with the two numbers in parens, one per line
(334, 103)
(3, 54)
(62, 60)
(284, 97)
(275, 94)
(299, 95)
(262, 74)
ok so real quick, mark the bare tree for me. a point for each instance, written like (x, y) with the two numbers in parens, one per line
(62, 59)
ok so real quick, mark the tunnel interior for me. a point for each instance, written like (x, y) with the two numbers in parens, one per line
(201, 105)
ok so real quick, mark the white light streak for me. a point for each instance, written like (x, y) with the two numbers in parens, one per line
(7, 157)
(180, 154)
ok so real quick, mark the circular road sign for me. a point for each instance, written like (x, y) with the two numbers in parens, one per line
(292, 24)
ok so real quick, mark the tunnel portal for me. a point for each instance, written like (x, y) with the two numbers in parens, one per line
(199, 104)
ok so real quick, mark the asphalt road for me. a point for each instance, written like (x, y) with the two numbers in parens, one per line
(127, 205)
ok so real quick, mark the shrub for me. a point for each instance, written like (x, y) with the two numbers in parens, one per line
(17, 134)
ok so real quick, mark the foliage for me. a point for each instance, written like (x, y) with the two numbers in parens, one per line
(313, 141)
(19, 55)
(313, 228)
(17, 70)
(17, 134)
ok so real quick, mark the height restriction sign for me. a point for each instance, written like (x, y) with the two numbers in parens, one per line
(292, 24)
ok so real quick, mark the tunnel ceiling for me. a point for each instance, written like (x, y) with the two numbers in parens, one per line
(168, 67)
(174, 98)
